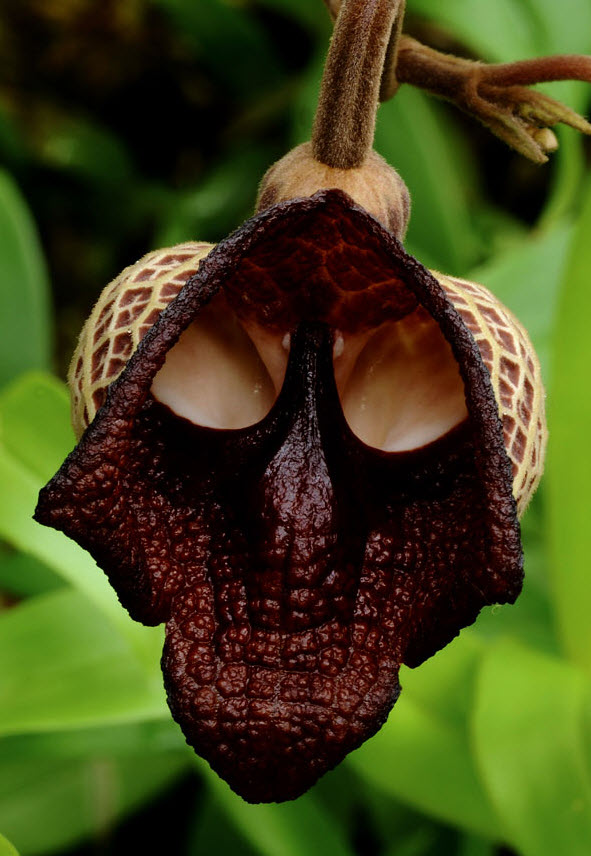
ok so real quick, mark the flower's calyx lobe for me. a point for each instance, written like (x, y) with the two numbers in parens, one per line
(295, 566)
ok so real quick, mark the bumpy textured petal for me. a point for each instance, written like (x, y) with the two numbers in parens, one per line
(295, 566)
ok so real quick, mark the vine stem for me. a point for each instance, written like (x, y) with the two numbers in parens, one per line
(345, 120)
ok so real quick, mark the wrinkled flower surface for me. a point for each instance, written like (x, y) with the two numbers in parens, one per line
(344, 508)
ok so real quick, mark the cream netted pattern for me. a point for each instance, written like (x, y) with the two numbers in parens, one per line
(516, 379)
(122, 316)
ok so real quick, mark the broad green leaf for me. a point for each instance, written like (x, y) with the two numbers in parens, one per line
(88, 150)
(473, 846)
(531, 618)
(18, 499)
(141, 737)
(444, 684)
(24, 301)
(62, 666)
(402, 831)
(529, 741)
(569, 463)
(567, 176)
(424, 761)
(221, 201)
(299, 828)
(422, 755)
(564, 27)
(229, 40)
(421, 842)
(415, 137)
(25, 464)
(501, 31)
(48, 807)
(35, 423)
(6, 848)
(24, 576)
(211, 833)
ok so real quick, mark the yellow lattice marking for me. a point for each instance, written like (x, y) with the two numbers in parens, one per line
(123, 314)
(515, 376)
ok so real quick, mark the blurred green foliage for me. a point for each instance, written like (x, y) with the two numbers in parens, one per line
(132, 125)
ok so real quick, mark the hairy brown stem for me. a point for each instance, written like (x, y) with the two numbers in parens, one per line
(498, 95)
(345, 119)
(389, 83)
(442, 73)
(530, 71)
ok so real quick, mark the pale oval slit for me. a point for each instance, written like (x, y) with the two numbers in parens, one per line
(400, 385)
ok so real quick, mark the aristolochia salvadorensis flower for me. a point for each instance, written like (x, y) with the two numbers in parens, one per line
(301, 449)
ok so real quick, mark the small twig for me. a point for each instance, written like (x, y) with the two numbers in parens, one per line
(497, 94)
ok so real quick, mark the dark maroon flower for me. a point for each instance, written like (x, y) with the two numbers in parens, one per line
(295, 565)
(302, 450)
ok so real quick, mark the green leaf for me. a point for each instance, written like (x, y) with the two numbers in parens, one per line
(63, 666)
(36, 399)
(568, 174)
(421, 842)
(48, 806)
(149, 737)
(422, 755)
(18, 499)
(564, 27)
(223, 199)
(27, 459)
(531, 618)
(299, 828)
(444, 684)
(473, 846)
(6, 848)
(529, 740)
(211, 833)
(25, 576)
(415, 137)
(569, 464)
(230, 41)
(501, 31)
(24, 300)
(87, 150)
(402, 831)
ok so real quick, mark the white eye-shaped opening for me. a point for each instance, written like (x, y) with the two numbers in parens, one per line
(222, 373)
(399, 385)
